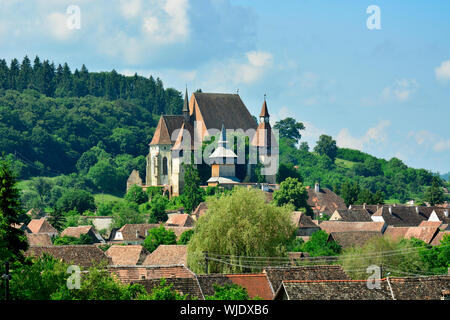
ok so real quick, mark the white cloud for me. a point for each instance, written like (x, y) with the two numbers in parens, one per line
(229, 74)
(373, 135)
(259, 58)
(345, 140)
(443, 71)
(443, 145)
(130, 8)
(57, 26)
(401, 90)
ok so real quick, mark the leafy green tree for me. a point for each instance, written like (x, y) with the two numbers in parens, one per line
(12, 240)
(158, 207)
(318, 245)
(57, 219)
(136, 195)
(292, 192)
(228, 292)
(157, 236)
(434, 194)
(436, 258)
(365, 196)
(42, 186)
(350, 192)
(75, 199)
(192, 193)
(39, 279)
(239, 223)
(403, 258)
(378, 197)
(104, 176)
(287, 171)
(164, 291)
(99, 284)
(126, 212)
(289, 128)
(185, 237)
(67, 240)
(304, 147)
(326, 146)
(106, 208)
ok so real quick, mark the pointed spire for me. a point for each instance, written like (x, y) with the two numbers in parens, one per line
(264, 111)
(186, 102)
(223, 137)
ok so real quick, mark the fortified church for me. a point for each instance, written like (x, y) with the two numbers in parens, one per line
(178, 137)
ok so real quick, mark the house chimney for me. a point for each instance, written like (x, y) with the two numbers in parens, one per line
(364, 205)
(137, 234)
(349, 207)
(390, 209)
(446, 213)
(317, 187)
(417, 209)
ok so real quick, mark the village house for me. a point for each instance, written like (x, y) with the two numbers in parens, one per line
(167, 255)
(127, 255)
(257, 285)
(180, 220)
(136, 233)
(277, 275)
(422, 288)
(352, 215)
(82, 255)
(38, 239)
(426, 234)
(42, 226)
(76, 232)
(324, 201)
(305, 226)
(348, 239)
(344, 226)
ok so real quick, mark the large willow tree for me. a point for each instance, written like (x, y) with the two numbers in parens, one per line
(237, 226)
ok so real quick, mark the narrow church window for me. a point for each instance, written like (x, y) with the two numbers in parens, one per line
(164, 166)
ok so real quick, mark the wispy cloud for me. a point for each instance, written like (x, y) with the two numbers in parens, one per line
(374, 135)
(443, 71)
(401, 90)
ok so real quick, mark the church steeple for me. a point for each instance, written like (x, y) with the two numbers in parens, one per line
(264, 115)
(186, 106)
(223, 137)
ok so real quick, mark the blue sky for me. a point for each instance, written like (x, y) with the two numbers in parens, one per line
(385, 92)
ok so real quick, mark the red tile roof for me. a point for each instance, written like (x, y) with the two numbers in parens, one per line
(342, 226)
(41, 226)
(257, 285)
(167, 255)
(127, 255)
(180, 220)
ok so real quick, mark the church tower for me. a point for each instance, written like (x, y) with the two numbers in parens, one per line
(186, 116)
(265, 142)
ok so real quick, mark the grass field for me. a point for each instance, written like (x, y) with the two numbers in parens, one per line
(104, 198)
(344, 163)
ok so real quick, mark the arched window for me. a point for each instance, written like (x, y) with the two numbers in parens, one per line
(165, 171)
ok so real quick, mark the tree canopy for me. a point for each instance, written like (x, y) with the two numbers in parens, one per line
(239, 223)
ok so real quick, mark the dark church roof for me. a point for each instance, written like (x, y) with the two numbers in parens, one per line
(227, 109)
(166, 126)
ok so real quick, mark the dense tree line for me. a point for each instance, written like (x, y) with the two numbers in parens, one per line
(49, 117)
(60, 81)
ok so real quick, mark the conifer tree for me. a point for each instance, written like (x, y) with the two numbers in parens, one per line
(12, 240)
